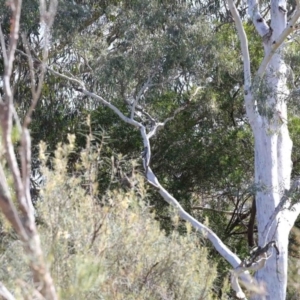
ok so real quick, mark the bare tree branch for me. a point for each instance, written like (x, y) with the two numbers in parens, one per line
(25, 150)
(23, 222)
(250, 233)
(257, 261)
(6, 109)
(278, 42)
(152, 179)
(3, 46)
(249, 101)
(216, 210)
(142, 110)
(5, 293)
(141, 92)
(285, 203)
(244, 43)
(8, 208)
(260, 24)
(47, 17)
(156, 126)
(35, 92)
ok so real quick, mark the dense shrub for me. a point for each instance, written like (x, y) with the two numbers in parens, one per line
(106, 245)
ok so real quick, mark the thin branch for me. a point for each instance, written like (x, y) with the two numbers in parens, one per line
(15, 7)
(35, 92)
(23, 223)
(234, 218)
(260, 24)
(142, 110)
(83, 90)
(216, 210)
(141, 92)
(240, 232)
(276, 44)
(155, 128)
(25, 150)
(225, 252)
(218, 244)
(251, 224)
(249, 101)
(244, 44)
(5, 293)
(6, 109)
(4, 51)
(284, 201)
(68, 78)
(8, 208)
(152, 179)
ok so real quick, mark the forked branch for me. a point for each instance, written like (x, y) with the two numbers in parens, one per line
(21, 218)
(279, 41)
(152, 179)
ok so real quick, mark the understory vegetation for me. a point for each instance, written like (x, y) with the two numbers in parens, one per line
(105, 245)
(100, 94)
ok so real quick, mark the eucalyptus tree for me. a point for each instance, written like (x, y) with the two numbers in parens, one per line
(128, 55)
(266, 106)
(265, 100)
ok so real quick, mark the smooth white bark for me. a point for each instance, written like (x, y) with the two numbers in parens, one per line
(231, 257)
(272, 152)
(273, 146)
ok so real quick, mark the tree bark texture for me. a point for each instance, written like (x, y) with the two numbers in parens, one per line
(273, 149)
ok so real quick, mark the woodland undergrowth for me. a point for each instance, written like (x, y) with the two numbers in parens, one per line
(104, 244)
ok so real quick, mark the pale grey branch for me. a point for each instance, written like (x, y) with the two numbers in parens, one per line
(5, 293)
(249, 101)
(141, 92)
(276, 44)
(152, 179)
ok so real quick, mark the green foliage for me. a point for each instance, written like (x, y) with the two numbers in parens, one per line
(203, 157)
(294, 127)
(106, 246)
(256, 50)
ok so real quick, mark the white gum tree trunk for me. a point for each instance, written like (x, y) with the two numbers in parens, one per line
(265, 99)
(273, 166)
